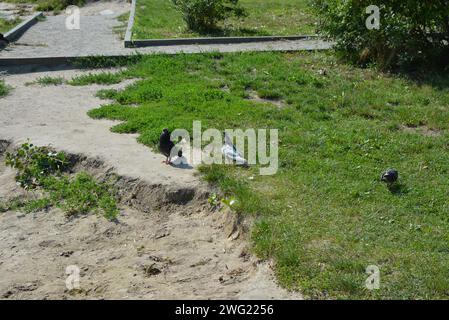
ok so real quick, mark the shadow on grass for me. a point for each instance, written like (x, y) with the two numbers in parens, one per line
(398, 189)
(232, 32)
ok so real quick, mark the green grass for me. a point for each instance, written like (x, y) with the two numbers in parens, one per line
(48, 81)
(325, 216)
(93, 62)
(157, 19)
(80, 194)
(27, 206)
(6, 25)
(4, 89)
(106, 94)
(42, 169)
(100, 78)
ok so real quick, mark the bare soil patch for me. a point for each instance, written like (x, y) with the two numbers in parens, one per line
(423, 130)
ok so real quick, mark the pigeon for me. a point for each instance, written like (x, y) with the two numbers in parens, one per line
(166, 145)
(390, 176)
(3, 39)
(230, 151)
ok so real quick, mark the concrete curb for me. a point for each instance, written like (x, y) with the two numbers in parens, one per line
(216, 40)
(45, 61)
(129, 28)
(130, 43)
(15, 33)
(52, 61)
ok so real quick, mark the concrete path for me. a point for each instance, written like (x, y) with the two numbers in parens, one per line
(51, 38)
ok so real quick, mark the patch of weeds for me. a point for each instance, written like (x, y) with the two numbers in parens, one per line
(8, 24)
(34, 164)
(82, 194)
(120, 30)
(4, 89)
(37, 205)
(95, 62)
(41, 18)
(48, 81)
(216, 201)
(99, 78)
(11, 205)
(44, 168)
(56, 5)
(27, 206)
(106, 94)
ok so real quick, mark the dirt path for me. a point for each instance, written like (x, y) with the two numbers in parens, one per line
(160, 248)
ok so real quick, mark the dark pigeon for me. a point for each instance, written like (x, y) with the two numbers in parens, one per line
(3, 39)
(166, 145)
(390, 176)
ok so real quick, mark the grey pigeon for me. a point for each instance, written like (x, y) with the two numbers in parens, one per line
(166, 145)
(231, 153)
(390, 176)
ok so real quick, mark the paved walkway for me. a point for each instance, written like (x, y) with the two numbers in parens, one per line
(96, 36)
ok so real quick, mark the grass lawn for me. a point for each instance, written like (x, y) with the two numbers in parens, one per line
(325, 216)
(6, 25)
(156, 19)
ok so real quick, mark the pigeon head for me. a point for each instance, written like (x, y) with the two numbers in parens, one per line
(166, 131)
(390, 176)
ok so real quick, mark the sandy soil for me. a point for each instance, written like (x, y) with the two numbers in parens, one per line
(166, 244)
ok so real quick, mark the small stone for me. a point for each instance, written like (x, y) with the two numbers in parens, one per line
(66, 254)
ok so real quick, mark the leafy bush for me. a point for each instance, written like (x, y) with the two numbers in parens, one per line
(411, 33)
(204, 15)
(35, 163)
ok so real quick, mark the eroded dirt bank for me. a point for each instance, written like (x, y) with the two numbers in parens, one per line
(166, 243)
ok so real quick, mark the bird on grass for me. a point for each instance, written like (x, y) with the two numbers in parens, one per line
(166, 146)
(231, 153)
(390, 176)
(3, 40)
